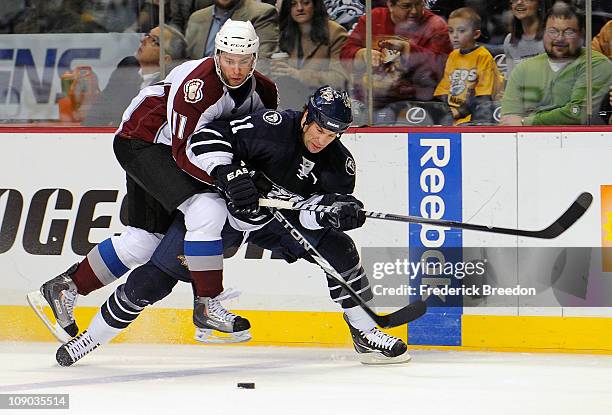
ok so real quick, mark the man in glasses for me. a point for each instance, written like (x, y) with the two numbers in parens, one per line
(134, 73)
(551, 89)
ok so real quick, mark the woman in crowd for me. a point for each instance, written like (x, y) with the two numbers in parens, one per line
(313, 43)
(525, 39)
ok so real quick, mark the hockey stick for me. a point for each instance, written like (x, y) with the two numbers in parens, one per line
(402, 316)
(567, 219)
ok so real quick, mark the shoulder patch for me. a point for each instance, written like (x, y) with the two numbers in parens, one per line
(272, 117)
(193, 90)
(350, 166)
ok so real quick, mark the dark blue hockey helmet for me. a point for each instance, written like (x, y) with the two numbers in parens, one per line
(330, 108)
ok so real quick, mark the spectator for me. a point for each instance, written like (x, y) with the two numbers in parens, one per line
(60, 16)
(602, 43)
(148, 16)
(180, 10)
(204, 24)
(410, 47)
(313, 44)
(10, 15)
(492, 30)
(471, 79)
(525, 39)
(348, 12)
(111, 15)
(134, 73)
(550, 89)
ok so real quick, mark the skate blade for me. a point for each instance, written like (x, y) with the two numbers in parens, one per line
(379, 359)
(218, 337)
(38, 304)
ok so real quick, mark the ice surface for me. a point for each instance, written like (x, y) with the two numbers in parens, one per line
(177, 379)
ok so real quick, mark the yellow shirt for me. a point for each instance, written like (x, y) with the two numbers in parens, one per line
(468, 75)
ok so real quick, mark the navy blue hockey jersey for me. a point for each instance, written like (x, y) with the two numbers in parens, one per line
(271, 142)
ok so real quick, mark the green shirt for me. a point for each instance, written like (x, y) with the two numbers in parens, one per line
(545, 97)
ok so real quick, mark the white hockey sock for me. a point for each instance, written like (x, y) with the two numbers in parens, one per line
(100, 332)
(359, 318)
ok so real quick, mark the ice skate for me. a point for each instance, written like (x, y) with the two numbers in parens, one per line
(214, 324)
(378, 348)
(75, 349)
(60, 294)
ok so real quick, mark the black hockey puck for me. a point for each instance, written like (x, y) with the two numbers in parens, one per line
(246, 385)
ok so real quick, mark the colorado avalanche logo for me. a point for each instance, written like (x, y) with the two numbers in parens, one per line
(350, 166)
(272, 117)
(193, 91)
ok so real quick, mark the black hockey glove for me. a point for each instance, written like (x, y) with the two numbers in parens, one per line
(236, 184)
(347, 215)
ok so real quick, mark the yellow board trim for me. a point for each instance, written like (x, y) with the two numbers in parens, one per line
(165, 325)
(537, 333)
(328, 329)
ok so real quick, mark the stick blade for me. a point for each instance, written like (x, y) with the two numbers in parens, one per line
(571, 215)
(402, 316)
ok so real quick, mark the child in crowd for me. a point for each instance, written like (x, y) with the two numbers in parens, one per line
(471, 80)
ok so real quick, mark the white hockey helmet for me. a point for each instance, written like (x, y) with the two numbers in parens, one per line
(236, 37)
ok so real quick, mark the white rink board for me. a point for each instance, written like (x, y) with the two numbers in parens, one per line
(82, 162)
(489, 189)
(553, 170)
(76, 162)
(509, 180)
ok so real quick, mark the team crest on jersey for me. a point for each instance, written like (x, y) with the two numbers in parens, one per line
(350, 166)
(305, 168)
(273, 117)
(193, 90)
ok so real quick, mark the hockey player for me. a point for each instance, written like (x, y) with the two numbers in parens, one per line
(300, 157)
(193, 94)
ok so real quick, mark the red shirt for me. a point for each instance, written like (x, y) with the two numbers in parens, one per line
(411, 79)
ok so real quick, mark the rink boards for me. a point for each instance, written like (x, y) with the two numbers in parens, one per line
(62, 193)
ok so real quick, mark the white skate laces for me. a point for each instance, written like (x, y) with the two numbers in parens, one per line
(69, 299)
(80, 346)
(379, 339)
(216, 309)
